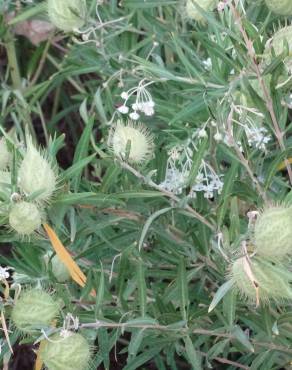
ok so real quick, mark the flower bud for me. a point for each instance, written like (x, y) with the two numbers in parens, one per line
(67, 352)
(273, 233)
(67, 15)
(59, 270)
(131, 140)
(281, 7)
(34, 310)
(36, 175)
(257, 279)
(193, 12)
(25, 218)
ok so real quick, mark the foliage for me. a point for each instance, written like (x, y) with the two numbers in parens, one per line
(155, 241)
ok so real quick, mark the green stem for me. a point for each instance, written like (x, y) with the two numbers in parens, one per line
(12, 60)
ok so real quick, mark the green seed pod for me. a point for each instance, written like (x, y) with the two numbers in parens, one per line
(272, 281)
(35, 309)
(278, 42)
(25, 218)
(273, 233)
(67, 15)
(281, 7)
(193, 12)
(36, 175)
(69, 352)
(59, 270)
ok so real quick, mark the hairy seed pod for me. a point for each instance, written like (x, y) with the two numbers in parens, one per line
(36, 175)
(59, 270)
(272, 281)
(25, 218)
(193, 12)
(273, 233)
(34, 310)
(69, 352)
(281, 7)
(5, 156)
(131, 142)
(279, 42)
(67, 15)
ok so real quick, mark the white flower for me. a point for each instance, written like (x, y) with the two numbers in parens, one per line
(133, 138)
(4, 274)
(257, 137)
(202, 133)
(143, 100)
(134, 115)
(218, 137)
(124, 95)
(207, 64)
(123, 109)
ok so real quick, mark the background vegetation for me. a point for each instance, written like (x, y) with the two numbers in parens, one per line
(155, 255)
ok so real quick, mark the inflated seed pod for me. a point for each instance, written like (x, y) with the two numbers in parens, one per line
(193, 12)
(135, 138)
(273, 233)
(281, 7)
(68, 352)
(67, 15)
(34, 310)
(259, 279)
(25, 218)
(36, 175)
(59, 270)
(279, 42)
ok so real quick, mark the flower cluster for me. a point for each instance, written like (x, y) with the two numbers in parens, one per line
(257, 136)
(178, 169)
(143, 101)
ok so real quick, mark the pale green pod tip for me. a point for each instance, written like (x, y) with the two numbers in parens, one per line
(273, 233)
(34, 310)
(68, 352)
(25, 218)
(67, 15)
(193, 12)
